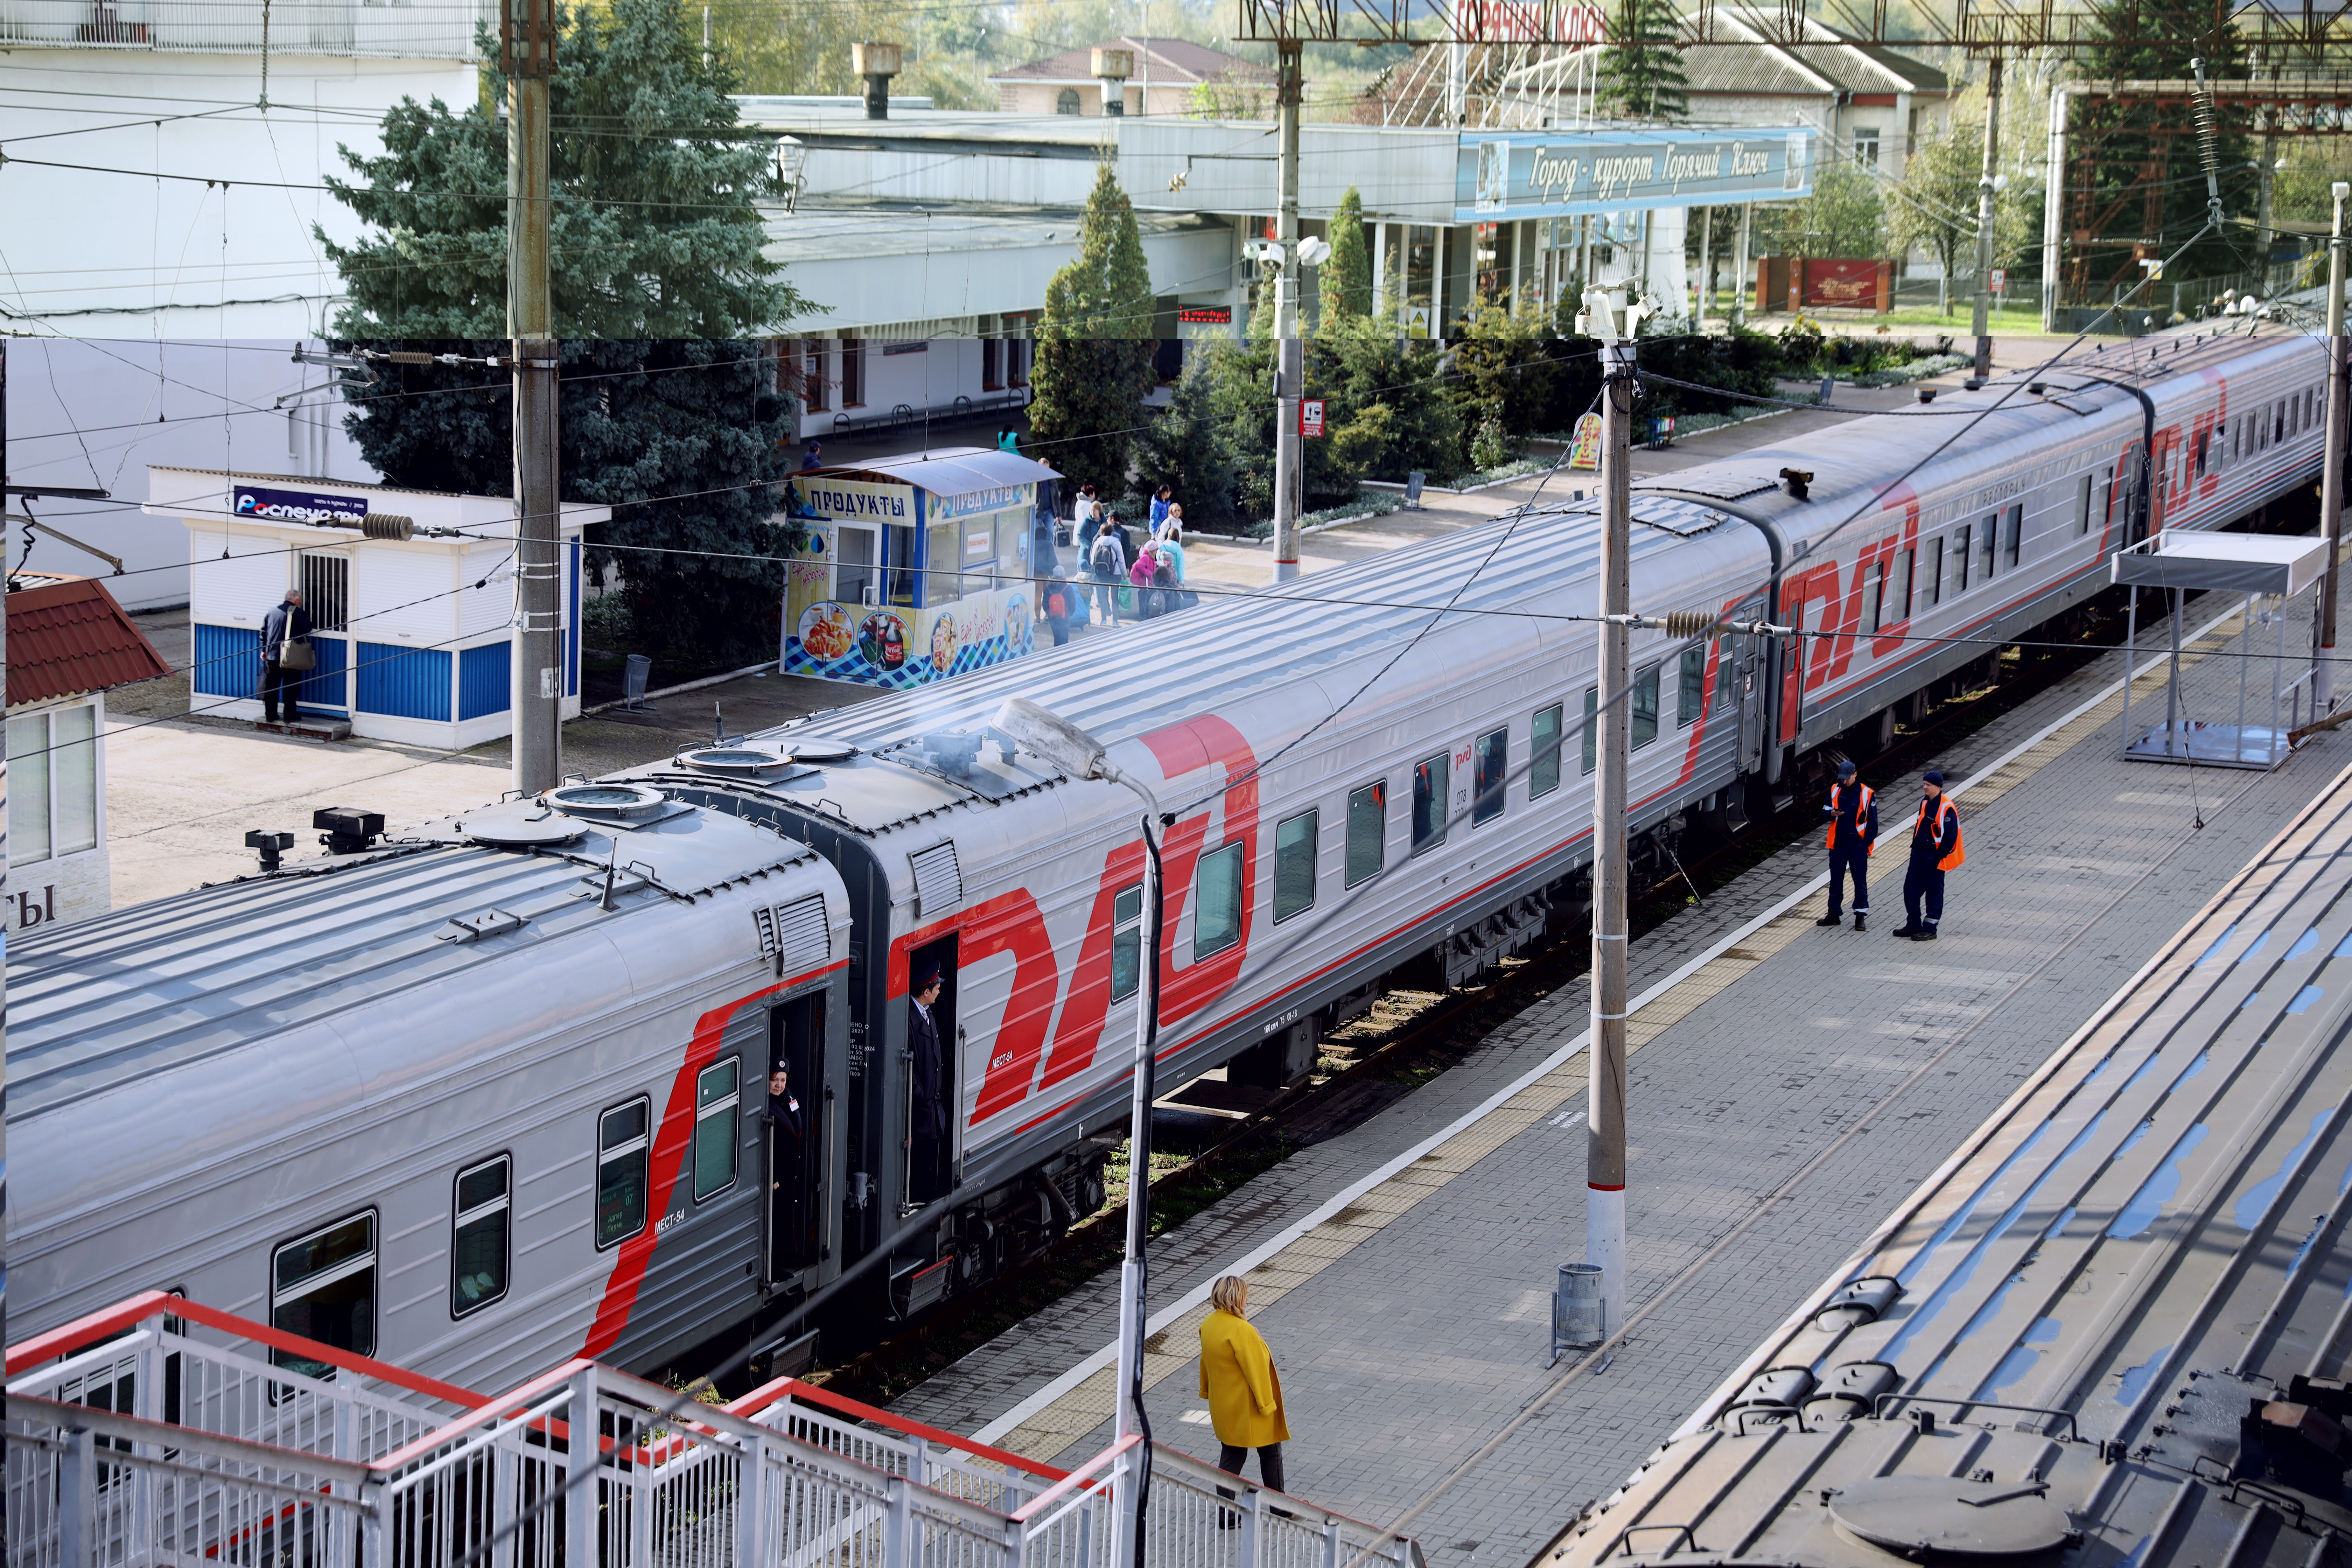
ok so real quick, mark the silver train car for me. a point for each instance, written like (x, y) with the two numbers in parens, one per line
(2113, 1329)
(300, 1083)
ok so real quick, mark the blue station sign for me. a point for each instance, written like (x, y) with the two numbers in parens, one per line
(1502, 176)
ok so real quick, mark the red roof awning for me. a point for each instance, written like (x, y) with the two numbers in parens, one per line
(69, 636)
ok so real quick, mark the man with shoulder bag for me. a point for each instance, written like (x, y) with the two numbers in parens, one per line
(287, 656)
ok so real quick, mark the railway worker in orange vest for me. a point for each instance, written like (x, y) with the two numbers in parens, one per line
(1852, 812)
(1935, 849)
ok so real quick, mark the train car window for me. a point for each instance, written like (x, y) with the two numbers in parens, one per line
(1690, 686)
(1367, 826)
(1543, 751)
(1988, 539)
(1933, 579)
(1494, 754)
(1591, 724)
(1125, 942)
(622, 1143)
(1217, 901)
(322, 1287)
(716, 1090)
(1961, 556)
(1645, 707)
(1294, 864)
(1874, 596)
(1429, 781)
(2013, 536)
(479, 1236)
(1904, 588)
(2083, 494)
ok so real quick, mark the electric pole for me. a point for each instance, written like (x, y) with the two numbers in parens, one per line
(1604, 1158)
(1986, 191)
(1290, 366)
(4, 860)
(2331, 473)
(527, 59)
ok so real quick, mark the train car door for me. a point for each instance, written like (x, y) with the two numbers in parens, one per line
(1741, 681)
(800, 1132)
(929, 1174)
(2131, 494)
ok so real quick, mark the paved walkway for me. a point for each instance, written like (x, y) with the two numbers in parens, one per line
(1787, 1089)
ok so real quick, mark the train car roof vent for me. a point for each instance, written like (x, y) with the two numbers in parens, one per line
(736, 761)
(1775, 1392)
(1930, 1516)
(518, 825)
(1851, 1392)
(939, 881)
(1857, 1302)
(816, 749)
(795, 934)
(621, 802)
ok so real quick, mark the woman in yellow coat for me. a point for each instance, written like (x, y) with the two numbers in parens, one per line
(1238, 1380)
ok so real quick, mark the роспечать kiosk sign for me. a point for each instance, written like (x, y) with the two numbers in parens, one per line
(1506, 175)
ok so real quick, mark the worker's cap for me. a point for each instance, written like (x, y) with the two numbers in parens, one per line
(926, 977)
(1845, 768)
(1934, 776)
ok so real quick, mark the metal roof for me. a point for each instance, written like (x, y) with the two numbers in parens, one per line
(1173, 62)
(2107, 1310)
(952, 470)
(67, 636)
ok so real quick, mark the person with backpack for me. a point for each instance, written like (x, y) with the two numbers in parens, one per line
(1935, 849)
(1058, 597)
(1107, 564)
(1144, 575)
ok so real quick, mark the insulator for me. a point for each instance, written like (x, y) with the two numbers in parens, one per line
(388, 525)
(1689, 624)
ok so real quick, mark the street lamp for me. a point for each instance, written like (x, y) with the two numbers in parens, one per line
(1081, 756)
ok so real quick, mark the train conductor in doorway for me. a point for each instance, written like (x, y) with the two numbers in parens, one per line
(1935, 849)
(1852, 812)
(927, 1128)
(787, 1123)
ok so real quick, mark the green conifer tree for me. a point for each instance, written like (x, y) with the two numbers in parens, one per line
(1095, 346)
(1347, 272)
(1190, 449)
(1642, 75)
(655, 234)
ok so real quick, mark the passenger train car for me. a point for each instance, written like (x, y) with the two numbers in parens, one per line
(2113, 1329)
(455, 1101)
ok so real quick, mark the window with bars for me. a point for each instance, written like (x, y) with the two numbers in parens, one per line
(327, 590)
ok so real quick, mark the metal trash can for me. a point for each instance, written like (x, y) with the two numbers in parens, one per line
(633, 682)
(1578, 1311)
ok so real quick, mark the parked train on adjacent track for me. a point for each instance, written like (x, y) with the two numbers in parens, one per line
(489, 1097)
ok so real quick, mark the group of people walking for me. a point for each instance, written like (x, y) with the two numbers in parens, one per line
(1124, 573)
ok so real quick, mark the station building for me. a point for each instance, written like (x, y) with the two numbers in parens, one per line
(68, 644)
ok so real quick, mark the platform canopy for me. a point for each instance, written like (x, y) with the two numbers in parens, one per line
(954, 470)
(2230, 563)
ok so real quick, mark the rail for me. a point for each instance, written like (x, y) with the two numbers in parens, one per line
(420, 30)
(131, 1440)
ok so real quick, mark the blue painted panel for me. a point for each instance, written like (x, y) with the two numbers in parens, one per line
(405, 682)
(484, 680)
(571, 624)
(325, 688)
(228, 661)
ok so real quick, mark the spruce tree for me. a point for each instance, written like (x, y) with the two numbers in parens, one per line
(684, 439)
(1347, 272)
(653, 229)
(1189, 448)
(1095, 346)
(1641, 74)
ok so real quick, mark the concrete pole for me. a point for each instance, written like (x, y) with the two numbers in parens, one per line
(1604, 1159)
(1985, 194)
(1740, 281)
(4, 870)
(2053, 206)
(1290, 370)
(2268, 238)
(2331, 473)
(537, 645)
(1705, 268)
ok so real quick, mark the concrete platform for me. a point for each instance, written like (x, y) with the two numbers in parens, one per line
(1788, 1085)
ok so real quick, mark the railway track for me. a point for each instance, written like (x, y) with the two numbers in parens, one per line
(1370, 1068)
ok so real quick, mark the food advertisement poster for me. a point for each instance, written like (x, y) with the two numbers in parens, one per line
(894, 645)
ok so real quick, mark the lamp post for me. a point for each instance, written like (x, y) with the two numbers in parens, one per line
(2331, 474)
(1081, 756)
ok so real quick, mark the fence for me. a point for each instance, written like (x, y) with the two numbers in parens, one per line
(423, 30)
(130, 1441)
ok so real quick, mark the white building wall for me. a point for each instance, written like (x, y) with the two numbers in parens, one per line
(57, 865)
(96, 414)
(141, 254)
